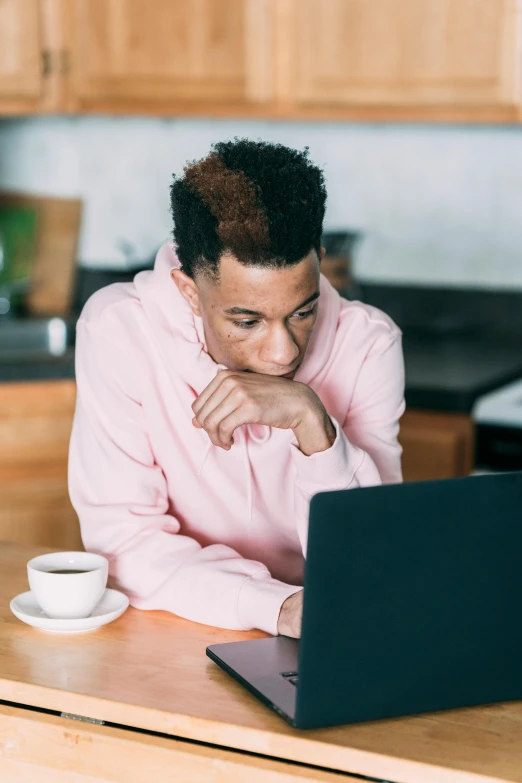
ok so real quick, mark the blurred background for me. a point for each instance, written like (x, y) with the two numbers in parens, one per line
(413, 108)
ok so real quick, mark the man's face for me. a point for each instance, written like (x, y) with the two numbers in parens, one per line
(256, 319)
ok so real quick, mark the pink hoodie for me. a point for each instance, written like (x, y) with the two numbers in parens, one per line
(217, 537)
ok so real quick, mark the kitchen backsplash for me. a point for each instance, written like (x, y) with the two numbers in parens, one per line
(440, 205)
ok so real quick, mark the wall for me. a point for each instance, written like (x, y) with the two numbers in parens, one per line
(440, 205)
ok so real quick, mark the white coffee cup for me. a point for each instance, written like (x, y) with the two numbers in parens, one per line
(72, 594)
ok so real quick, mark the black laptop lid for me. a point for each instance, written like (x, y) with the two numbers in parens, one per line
(413, 597)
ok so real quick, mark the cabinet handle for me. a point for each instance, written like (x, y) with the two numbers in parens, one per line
(47, 62)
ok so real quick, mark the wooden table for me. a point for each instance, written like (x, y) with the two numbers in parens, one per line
(172, 715)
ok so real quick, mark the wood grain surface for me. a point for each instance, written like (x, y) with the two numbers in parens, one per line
(52, 276)
(149, 670)
(42, 748)
(35, 426)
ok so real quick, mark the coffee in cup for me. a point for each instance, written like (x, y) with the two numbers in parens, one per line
(68, 585)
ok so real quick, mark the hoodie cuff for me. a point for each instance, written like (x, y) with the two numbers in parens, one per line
(328, 470)
(260, 600)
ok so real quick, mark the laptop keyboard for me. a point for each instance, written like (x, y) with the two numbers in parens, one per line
(290, 677)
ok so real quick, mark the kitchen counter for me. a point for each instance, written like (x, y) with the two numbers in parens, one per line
(140, 694)
(38, 368)
(445, 373)
(448, 373)
(458, 344)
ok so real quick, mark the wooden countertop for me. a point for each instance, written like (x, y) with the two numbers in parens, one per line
(149, 670)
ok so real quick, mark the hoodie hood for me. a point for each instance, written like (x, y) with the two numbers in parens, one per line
(181, 340)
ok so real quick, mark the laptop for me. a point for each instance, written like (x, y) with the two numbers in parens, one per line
(412, 603)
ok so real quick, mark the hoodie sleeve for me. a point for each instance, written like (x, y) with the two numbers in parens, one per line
(366, 451)
(121, 498)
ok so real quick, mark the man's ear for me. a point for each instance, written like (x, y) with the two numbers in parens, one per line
(322, 254)
(188, 289)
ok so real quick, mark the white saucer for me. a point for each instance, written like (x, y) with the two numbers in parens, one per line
(111, 606)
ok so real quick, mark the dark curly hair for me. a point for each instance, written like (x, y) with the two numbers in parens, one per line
(262, 202)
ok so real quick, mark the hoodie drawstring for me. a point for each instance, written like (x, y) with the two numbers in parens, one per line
(248, 469)
(205, 455)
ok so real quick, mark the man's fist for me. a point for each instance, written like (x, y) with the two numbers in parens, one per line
(236, 398)
(290, 616)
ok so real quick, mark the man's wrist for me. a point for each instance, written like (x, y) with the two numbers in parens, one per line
(315, 432)
(291, 615)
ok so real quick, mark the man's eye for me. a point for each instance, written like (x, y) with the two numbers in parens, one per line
(305, 313)
(300, 316)
(245, 324)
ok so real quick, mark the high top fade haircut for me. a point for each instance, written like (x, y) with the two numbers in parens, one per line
(262, 202)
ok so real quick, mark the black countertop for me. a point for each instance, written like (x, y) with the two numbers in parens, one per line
(39, 368)
(450, 373)
(458, 345)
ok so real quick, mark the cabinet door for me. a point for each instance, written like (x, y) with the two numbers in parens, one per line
(35, 427)
(33, 61)
(168, 55)
(21, 47)
(404, 52)
(436, 445)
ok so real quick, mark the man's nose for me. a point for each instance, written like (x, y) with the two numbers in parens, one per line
(280, 348)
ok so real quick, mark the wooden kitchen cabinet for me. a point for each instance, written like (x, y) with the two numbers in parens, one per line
(436, 445)
(168, 56)
(429, 60)
(35, 426)
(32, 56)
(422, 54)
(418, 59)
(21, 79)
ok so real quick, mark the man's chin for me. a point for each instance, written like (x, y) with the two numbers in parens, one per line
(289, 376)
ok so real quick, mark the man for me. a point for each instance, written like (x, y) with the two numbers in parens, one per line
(220, 391)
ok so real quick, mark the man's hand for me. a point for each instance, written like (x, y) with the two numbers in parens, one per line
(236, 398)
(290, 616)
